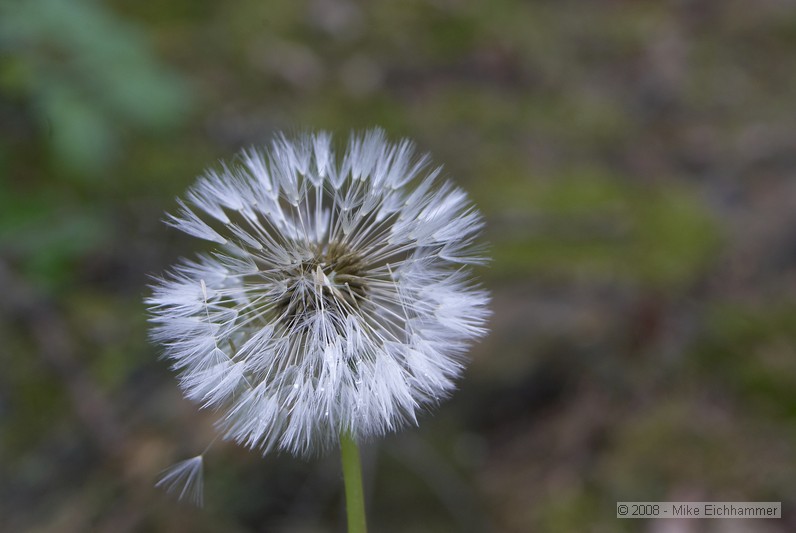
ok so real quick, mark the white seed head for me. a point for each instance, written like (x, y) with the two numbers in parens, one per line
(337, 297)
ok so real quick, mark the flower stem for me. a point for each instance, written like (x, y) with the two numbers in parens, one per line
(352, 475)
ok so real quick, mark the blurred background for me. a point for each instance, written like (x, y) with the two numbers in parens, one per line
(635, 161)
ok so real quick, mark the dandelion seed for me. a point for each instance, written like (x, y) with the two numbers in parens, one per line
(186, 480)
(337, 298)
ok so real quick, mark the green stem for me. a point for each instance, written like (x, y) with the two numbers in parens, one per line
(352, 475)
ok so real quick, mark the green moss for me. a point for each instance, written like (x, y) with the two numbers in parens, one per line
(751, 350)
(594, 225)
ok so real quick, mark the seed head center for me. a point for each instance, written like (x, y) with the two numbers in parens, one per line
(331, 278)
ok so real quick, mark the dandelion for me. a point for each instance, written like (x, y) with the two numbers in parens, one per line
(337, 302)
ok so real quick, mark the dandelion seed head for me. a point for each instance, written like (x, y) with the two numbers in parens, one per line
(337, 296)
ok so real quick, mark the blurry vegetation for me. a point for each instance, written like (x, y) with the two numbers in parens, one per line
(78, 82)
(592, 225)
(754, 352)
(635, 163)
(87, 76)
